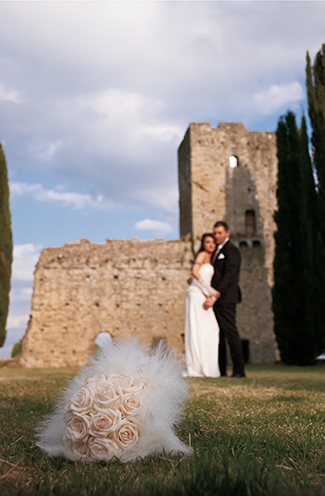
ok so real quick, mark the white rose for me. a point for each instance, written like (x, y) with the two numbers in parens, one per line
(127, 435)
(102, 448)
(82, 401)
(105, 422)
(131, 404)
(106, 396)
(77, 427)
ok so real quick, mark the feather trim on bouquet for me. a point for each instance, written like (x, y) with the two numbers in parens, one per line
(126, 404)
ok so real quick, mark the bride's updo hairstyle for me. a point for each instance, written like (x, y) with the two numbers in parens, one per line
(205, 235)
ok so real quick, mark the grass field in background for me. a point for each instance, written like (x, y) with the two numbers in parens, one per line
(264, 435)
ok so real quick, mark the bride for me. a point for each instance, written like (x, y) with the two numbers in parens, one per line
(201, 326)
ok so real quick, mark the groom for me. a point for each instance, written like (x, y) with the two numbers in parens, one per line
(226, 263)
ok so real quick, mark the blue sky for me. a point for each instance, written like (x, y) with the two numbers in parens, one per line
(95, 98)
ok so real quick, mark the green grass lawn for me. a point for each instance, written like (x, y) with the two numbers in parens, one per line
(264, 435)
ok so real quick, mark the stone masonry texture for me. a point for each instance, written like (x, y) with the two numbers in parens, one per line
(210, 190)
(138, 288)
(124, 287)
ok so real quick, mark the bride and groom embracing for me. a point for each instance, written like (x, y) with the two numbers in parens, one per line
(211, 308)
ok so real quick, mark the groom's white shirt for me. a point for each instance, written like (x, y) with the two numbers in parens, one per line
(218, 250)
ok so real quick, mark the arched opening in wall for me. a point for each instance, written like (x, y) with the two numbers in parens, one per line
(103, 338)
(250, 222)
(256, 244)
(233, 161)
(243, 245)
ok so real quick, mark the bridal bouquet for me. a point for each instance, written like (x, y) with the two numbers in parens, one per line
(101, 417)
(125, 405)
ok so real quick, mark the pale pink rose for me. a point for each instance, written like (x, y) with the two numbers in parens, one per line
(131, 404)
(82, 401)
(102, 448)
(79, 448)
(105, 422)
(106, 396)
(127, 435)
(95, 381)
(77, 427)
(124, 381)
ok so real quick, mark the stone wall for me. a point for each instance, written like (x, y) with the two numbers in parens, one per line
(138, 288)
(211, 190)
(124, 287)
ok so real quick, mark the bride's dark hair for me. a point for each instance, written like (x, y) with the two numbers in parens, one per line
(205, 235)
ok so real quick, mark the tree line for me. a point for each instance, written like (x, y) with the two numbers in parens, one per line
(299, 263)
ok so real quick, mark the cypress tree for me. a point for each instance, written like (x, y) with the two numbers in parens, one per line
(296, 315)
(5, 246)
(314, 255)
(315, 78)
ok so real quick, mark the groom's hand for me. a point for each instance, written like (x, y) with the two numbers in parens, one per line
(209, 302)
(217, 295)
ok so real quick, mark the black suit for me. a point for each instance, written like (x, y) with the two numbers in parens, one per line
(225, 280)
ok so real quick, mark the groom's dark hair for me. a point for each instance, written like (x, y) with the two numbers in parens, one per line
(222, 223)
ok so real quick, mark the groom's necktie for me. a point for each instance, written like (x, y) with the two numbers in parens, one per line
(218, 250)
(216, 253)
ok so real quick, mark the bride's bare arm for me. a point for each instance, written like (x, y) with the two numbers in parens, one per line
(197, 264)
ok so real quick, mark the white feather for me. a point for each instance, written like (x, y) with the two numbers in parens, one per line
(161, 409)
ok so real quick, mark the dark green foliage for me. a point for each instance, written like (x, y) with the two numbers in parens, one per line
(16, 349)
(316, 105)
(5, 246)
(315, 75)
(299, 260)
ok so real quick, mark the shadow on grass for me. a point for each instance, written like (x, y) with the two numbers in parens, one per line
(259, 436)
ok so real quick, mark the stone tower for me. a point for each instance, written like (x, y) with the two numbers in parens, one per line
(229, 173)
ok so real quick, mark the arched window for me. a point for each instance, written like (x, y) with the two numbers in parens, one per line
(233, 161)
(250, 222)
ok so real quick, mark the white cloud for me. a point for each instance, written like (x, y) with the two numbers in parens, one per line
(15, 321)
(163, 198)
(111, 120)
(276, 97)
(39, 193)
(108, 99)
(8, 95)
(45, 151)
(122, 124)
(25, 258)
(153, 225)
(21, 294)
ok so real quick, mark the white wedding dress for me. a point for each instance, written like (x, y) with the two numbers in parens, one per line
(201, 330)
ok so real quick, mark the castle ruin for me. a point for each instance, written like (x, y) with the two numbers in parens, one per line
(138, 288)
